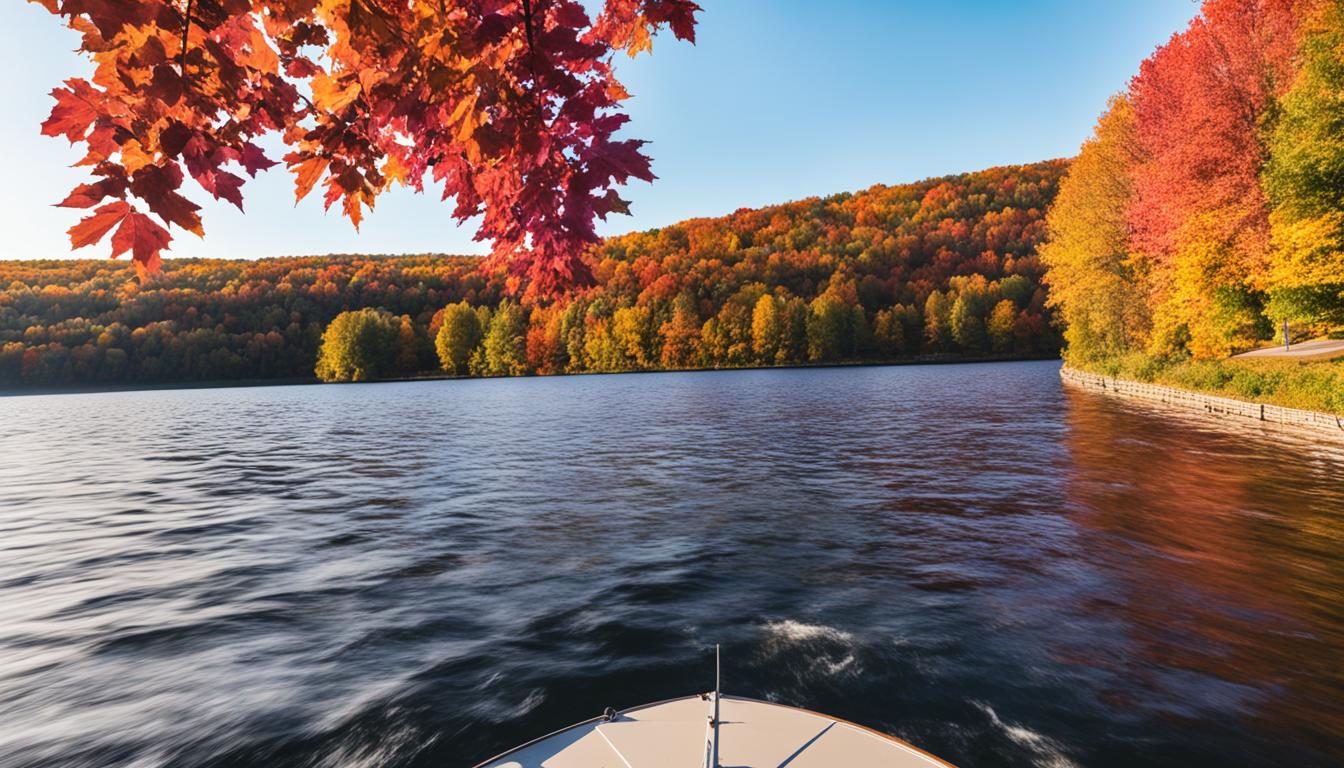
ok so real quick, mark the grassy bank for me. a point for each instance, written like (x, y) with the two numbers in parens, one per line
(1309, 385)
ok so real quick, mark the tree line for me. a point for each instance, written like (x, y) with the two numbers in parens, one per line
(942, 267)
(1208, 207)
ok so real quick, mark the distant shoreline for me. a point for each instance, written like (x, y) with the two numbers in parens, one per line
(7, 392)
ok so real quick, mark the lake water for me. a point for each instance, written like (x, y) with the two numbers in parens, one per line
(974, 558)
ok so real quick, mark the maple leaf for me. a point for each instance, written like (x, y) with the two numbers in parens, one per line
(330, 95)
(141, 236)
(166, 86)
(75, 111)
(91, 228)
(306, 175)
(156, 185)
(511, 104)
(89, 195)
(254, 159)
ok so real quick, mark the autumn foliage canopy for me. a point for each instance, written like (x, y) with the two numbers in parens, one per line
(1207, 204)
(510, 105)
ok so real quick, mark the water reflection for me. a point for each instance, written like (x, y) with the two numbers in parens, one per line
(1222, 547)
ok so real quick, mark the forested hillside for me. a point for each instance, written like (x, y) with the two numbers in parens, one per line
(941, 267)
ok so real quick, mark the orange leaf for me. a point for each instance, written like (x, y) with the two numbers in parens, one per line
(394, 170)
(329, 95)
(134, 157)
(306, 175)
(352, 209)
(465, 116)
(91, 228)
(74, 112)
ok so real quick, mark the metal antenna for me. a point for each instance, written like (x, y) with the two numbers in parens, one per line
(715, 764)
(712, 732)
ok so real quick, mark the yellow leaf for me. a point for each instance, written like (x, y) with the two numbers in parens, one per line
(394, 171)
(328, 94)
(465, 117)
(134, 157)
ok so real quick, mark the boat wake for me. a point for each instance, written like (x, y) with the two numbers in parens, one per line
(1047, 753)
(825, 650)
(792, 632)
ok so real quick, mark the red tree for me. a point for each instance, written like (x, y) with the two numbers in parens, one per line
(1198, 102)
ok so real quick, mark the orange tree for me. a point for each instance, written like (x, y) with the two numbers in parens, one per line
(510, 105)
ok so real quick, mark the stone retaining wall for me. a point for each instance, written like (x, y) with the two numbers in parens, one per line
(1273, 415)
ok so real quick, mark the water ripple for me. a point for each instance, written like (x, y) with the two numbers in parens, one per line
(424, 574)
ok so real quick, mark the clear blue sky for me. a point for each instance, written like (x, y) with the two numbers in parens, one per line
(779, 100)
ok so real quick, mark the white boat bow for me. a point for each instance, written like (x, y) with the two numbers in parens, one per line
(679, 733)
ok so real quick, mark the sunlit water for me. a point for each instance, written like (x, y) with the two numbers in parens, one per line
(974, 558)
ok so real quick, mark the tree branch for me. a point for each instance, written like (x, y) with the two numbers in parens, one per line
(532, 60)
(186, 30)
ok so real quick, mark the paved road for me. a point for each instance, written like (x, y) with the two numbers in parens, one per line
(1323, 349)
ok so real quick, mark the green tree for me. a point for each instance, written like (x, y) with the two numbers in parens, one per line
(858, 333)
(968, 324)
(827, 320)
(356, 346)
(573, 327)
(505, 344)
(458, 337)
(793, 314)
(1016, 288)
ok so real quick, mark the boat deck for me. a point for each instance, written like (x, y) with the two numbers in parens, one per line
(674, 734)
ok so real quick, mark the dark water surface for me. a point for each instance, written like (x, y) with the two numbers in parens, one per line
(1000, 570)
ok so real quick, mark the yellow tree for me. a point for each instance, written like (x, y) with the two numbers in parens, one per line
(1096, 282)
(1304, 180)
(458, 337)
(1002, 321)
(358, 346)
(633, 337)
(765, 329)
(505, 342)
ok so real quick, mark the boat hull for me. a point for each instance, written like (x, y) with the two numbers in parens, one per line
(675, 734)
